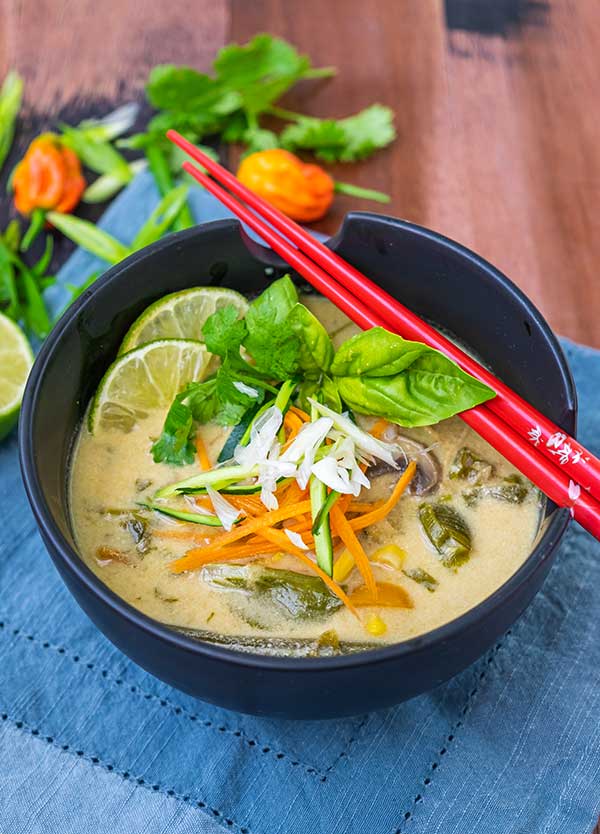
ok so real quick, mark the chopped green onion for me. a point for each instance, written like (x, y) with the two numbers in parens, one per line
(90, 237)
(11, 94)
(161, 218)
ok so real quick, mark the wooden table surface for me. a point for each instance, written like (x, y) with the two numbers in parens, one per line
(496, 105)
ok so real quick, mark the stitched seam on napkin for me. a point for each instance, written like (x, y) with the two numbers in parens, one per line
(427, 781)
(124, 774)
(135, 689)
(346, 751)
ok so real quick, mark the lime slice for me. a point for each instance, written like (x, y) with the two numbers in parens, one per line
(16, 359)
(144, 380)
(180, 315)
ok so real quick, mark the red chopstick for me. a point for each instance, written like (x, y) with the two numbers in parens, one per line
(545, 474)
(548, 438)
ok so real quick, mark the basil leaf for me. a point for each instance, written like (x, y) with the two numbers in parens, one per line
(274, 305)
(316, 348)
(376, 352)
(431, 389)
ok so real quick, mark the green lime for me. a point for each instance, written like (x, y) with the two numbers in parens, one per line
(16, 359)
(180, 315)
(145, 379)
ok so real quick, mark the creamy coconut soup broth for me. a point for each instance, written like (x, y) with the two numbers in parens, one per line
(280, 493)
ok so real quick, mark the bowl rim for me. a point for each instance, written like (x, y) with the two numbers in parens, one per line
(413, 646)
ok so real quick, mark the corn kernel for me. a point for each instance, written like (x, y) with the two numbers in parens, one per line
(276, 557)
(343, 566)
(375, 626)
(391, 556)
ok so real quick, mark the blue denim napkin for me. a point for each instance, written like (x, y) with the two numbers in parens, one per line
(90, 742)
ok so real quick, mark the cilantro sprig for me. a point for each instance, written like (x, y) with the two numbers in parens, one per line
(246, 83)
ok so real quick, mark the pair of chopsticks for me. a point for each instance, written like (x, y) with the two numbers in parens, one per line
(563, 469)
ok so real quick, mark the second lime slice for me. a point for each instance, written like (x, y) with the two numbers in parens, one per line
(180, 315)
(145, 379)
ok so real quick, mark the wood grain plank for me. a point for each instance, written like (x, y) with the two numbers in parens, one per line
(498, 135)
(71, 50)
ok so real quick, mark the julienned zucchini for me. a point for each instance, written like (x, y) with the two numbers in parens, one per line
(182, 515)
(320, 505)
(220, 478)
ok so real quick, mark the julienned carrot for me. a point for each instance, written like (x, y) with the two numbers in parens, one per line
(379, 427)
(294, 493)
(341, 527)
(279, 537)
(344, 502)
(184, 532)
(292, 422)
(236, 551)
(302, 414)
(204, 504)
(194, 558)
(249, 507)
(364, 506)
(380, 513)
(203, 460)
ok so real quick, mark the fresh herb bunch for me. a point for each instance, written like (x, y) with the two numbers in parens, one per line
(228, 105)
(281, 351)
(247, 82)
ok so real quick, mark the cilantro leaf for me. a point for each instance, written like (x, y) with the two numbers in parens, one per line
(223, 331)
(319, 135)
(233, 402)
(257, 139)
(175, 444)
(260, 71)
(185, 90)
(343, 140)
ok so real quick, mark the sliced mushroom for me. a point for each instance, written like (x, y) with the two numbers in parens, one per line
(429, 470)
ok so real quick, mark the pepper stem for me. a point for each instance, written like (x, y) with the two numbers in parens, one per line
(36, 224)
(362, 193)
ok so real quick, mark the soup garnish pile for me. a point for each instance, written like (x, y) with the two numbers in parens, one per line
(265, 476)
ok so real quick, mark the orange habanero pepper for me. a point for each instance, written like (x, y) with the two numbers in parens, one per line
(48, 177)
(304, 192)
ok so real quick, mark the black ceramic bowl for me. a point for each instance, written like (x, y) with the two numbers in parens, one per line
(436, 278)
